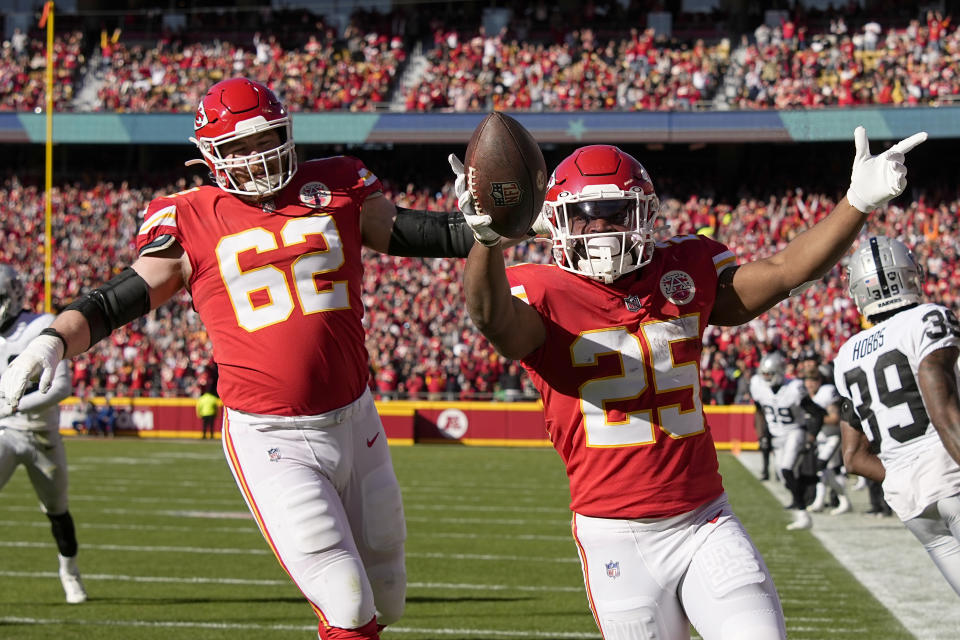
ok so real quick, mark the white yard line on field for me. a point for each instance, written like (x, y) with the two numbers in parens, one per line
(455, 633)
(24, 544)
(458, 586)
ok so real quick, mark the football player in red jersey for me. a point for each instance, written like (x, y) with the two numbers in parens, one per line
(271, 257)
(611, 336)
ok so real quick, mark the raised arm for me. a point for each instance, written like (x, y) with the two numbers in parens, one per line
(513, 327)
(750, 289)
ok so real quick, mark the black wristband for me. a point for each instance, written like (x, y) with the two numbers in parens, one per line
(50, 331)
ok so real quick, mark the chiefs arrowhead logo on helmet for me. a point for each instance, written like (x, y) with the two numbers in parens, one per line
(201, 120)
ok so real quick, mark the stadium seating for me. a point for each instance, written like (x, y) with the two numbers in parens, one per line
(319, 68)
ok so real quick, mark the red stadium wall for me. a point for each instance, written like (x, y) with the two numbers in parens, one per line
(405, 422)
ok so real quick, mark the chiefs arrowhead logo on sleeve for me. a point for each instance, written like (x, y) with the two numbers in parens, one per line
(677, 287)
(315, 194)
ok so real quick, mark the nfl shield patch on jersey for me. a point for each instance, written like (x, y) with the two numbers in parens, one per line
(633, 303)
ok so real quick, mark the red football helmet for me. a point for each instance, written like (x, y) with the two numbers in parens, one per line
(601, 208)
(240, 109)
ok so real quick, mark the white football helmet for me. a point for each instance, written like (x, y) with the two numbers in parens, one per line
(884, 276)
(601, 182)
(773, 368)
(11, 294)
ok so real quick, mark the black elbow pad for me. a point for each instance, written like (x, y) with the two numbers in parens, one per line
(121, 300)
(430, 234)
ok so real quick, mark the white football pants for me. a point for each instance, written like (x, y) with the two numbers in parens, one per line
(938, 528)
(650, 579)
(45, 459)
(323, 492)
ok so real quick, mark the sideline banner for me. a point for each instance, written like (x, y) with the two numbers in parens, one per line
(406, 422)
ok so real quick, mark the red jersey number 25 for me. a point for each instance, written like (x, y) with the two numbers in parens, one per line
(669, 375)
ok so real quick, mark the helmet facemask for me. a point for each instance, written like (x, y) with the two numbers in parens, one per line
(607, 254)
(258, 174)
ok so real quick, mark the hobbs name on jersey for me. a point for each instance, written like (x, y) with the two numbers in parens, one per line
(868, 345)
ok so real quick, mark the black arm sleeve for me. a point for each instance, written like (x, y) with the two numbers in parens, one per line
(430, 234)
(121, 300)
(816, 415)
(848, 415)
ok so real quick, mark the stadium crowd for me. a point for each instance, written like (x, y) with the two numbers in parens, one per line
(420, 340)
(359, 68)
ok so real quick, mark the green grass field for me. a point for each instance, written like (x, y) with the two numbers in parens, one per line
(167, 551)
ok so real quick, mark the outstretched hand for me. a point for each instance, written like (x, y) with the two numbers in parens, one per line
(40, 358)
(877, 179)
(479, 224)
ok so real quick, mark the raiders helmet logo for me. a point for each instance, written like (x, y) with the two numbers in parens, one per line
(677, 287)
(315, 194)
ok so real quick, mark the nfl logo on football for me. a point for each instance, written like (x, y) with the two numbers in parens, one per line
(613, 569)
(505, 194)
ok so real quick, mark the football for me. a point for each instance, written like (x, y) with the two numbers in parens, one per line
(506, 174)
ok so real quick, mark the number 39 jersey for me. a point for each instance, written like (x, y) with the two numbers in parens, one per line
(877, 371)
(620, 380)
(277, 285)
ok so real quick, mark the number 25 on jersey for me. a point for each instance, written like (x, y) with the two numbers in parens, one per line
(638, 427)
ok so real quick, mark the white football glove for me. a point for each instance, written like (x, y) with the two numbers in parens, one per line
(876, 179)
(479, 224)
(40, 358)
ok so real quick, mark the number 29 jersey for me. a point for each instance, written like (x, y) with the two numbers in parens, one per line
(277, 285)
(877, 371)
(619, 374)
(782, 409)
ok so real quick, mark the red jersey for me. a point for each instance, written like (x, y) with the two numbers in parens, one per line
(619, 374)
(277, 285)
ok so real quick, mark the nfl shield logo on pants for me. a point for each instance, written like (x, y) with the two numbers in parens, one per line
(613, 569)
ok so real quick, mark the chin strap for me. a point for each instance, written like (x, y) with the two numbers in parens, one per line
(605, 260)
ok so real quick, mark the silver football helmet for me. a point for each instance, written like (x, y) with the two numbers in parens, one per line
(11, 294)
(773, 368)
(884, 276)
